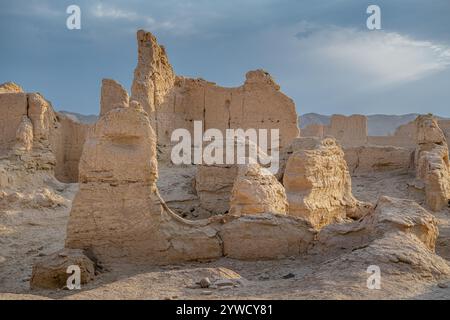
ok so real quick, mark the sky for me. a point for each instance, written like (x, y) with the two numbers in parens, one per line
(320, 52)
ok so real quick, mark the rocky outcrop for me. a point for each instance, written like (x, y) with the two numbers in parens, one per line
(397, 237)
(318, 183)
(113, 95)
(257, 191)
(432, 162)
(51, 272)
(390, 215)
(403, 262)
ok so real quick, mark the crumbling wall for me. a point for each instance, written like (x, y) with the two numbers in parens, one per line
(177, 101)
(113, 95)
(404, 137)
(352, 132)
(313, 130)
(368, 159)
(318, 183)
(32, 132)
(214, 182)
(257, 191)
(119, 216)
(13, 107)
(445, 127)
(258, 104)
(117, 211)
(432, 162)
(67, 142)
(349, 131)
(153, 77)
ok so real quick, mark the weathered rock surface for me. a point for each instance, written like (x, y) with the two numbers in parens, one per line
(257, 191)
(118, 213)
(389, 216)
(404, 262)
(67, 143)
(398, 237)
(432, 162)
(153, 76)
(214, 185)
(51, 271)
(24, 136)
(265, 236)
(10, 87)
(176, 102)
(214, 182)
(13, 107)
(318, 183)
(113, 95)
(32, 133)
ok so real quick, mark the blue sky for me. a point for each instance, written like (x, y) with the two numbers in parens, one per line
(320, 52)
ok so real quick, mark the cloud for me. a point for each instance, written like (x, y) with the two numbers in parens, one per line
(174, 26)
(381, 58)
(109, 12)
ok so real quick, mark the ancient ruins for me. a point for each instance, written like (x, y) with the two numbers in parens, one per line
(340, 202)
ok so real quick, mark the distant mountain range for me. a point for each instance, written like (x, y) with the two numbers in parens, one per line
(89, 119)
(378, 124)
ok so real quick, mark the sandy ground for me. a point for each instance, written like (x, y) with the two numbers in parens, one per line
(27, 235)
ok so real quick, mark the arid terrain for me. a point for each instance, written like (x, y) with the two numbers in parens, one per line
(109, 198)
(29, 234)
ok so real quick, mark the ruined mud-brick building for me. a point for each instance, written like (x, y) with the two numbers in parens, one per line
(171, 101)
(176, 102)
(365, 153)
(32, 131)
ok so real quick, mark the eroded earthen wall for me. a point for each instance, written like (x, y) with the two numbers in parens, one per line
(29, 127)
(348, 131)
(13, 106)
(67, 144)
(177, 102)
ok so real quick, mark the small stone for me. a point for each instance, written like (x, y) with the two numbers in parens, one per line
(205, 283)
(206, 293)
(289, 276)
(442, 285)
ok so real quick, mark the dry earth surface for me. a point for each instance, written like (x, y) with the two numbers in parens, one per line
(27, 235)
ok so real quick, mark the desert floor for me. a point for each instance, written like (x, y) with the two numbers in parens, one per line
(26, 235)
